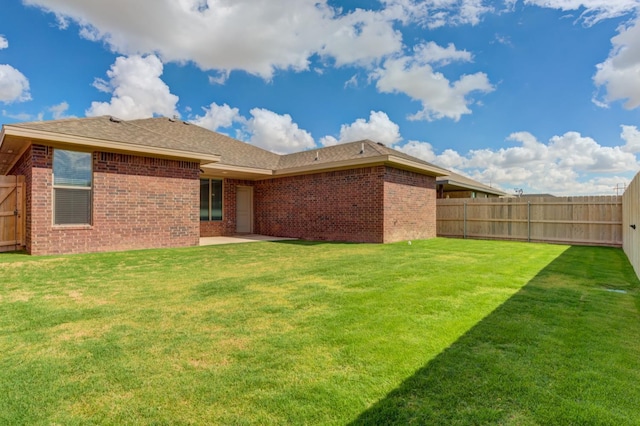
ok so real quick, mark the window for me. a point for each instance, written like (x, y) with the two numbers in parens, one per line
(210, 199)
(72, 179)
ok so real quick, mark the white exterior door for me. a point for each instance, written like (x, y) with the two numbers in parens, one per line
(244, 210)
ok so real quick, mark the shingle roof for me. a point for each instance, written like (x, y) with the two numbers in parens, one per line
(232, 151)
(341, 152)
(112, 129)
(182, 137)
(161, 133)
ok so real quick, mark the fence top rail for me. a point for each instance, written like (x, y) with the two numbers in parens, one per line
(533, 203)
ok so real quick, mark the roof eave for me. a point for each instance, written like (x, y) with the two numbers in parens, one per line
(466, 186)
(5, 167)
(333, 165)
(421, 168)
(390, 160)
(224, 169)
(102, 144)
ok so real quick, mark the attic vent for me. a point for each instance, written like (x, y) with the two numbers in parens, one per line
(172, 120)
(184, 122)
(381, 144)
(115, 120)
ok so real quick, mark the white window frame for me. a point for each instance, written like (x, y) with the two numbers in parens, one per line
(209, 217)
(72, 188)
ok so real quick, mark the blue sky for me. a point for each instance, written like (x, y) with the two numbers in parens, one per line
(542, 95)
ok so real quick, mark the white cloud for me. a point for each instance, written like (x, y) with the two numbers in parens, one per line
(569, 151)
(570, 164)
(580, 153)
(265, 128)
(220, 78)
(432, 53)
(378, 128)
(22, 116)
(277, 133)
(449, 159)
(631, 136)
(362, 37)
(592, 11)
(415, 77)
(352, 82)
(59, 111)
(620, 73)
(438, 13)
(136, 88)
(4, 43)
(422, 150)
(218, 116)
(502, 39)
(258, 37)
(14, 86)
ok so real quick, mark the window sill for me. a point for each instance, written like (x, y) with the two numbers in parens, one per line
(72, 226)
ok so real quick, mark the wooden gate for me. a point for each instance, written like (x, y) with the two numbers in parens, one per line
(12, 213)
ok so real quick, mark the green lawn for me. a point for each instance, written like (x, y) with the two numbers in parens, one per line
(437, 332)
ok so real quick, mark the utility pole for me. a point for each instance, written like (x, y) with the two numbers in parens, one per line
(620, 186)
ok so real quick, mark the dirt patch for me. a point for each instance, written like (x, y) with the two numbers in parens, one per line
(18, 296)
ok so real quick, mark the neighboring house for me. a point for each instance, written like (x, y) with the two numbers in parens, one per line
(104, 184)
(454, 185)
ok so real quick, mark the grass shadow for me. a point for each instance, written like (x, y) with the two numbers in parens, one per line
(565, 349)
(13, 254)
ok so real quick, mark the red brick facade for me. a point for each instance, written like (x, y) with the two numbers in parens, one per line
(344, 205)
(409, 206)
(138, 202)
(372, 204)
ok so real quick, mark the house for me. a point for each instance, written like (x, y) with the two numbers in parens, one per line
(454, 185)
(105, 184)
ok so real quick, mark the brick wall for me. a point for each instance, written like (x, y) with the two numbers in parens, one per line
(138, 202)
(410, 206)
(141, 202)
(342, 205)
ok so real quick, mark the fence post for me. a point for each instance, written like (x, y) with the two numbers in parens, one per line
(464, 235)
(528, 221)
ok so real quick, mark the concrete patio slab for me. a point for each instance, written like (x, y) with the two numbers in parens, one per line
(251, 238)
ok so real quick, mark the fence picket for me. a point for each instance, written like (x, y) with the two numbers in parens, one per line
(570, 220)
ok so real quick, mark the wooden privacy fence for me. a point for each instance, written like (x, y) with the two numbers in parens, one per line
(631, 223)
(566, 220)
(12, 209)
